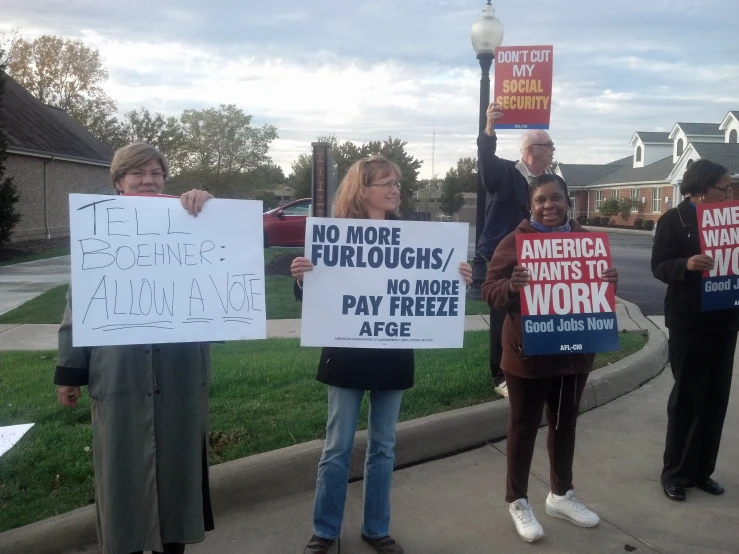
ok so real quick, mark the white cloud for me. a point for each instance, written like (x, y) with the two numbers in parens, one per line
(365, 70)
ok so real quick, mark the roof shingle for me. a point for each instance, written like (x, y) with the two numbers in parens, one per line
(709, 129)
(657, 171)
(29, 124)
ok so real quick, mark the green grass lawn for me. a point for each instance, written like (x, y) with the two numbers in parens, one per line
(38, 256)
(264, 396)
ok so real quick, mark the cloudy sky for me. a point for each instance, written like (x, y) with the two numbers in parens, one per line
(365, 70)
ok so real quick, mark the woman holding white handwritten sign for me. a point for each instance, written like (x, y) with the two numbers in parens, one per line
(701, 344)
(370, 190)
(554, 381)
(149, 411)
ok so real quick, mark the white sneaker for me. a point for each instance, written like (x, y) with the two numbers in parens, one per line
(525, 520)
(502, 389)
(571, 509)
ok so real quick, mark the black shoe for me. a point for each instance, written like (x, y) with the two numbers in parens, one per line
(711, 487)
(318, 545)
(674, 493)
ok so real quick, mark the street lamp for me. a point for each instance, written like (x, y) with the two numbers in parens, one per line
(487, 35)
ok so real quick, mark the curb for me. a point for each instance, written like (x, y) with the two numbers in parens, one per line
(293, 469)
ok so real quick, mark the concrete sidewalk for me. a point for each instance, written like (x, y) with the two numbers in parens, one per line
(44, 337)
(456, 505)
(20, 283)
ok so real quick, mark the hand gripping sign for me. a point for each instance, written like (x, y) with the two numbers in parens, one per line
(566, 307)
(718, 226)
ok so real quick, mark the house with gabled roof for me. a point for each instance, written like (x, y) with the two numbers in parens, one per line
(50, 155)
(652, 174)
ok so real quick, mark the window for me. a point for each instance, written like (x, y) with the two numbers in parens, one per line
(680, 146)
(614, 194)
(733, 137)
(655, 199)
(298, 209)
(634, 200)
(598, 199)
(638, 153)
(690, 162)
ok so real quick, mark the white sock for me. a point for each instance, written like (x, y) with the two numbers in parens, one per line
(558, 497)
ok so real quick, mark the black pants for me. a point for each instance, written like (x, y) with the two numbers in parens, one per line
(528, 398)
(702, 363)
(497, 317)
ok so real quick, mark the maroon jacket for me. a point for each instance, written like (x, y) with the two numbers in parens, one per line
(496, 293)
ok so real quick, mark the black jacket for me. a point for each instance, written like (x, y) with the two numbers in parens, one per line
(364, 368)
(675, 241)
(507, 198)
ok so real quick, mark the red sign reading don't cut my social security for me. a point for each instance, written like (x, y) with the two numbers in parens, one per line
(523, 86)
(567, 307)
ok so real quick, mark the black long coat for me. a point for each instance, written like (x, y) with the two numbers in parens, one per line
(675, 241)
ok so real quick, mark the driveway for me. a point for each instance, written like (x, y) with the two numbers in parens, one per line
(20, 283)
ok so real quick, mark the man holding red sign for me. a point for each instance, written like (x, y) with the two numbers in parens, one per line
(507, 183)
(555, 381)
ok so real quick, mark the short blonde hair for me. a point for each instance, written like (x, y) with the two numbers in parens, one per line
(135, 155)
(352, 193)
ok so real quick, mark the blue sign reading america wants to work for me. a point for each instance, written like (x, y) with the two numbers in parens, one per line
(566, 307)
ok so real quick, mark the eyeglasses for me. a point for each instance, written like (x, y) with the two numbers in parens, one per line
(722, 189)
(549, 145)
(138, 174)
(387, 186)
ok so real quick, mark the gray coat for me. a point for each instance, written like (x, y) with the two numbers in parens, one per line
(150, 437)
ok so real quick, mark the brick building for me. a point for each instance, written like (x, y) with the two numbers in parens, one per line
(49, 156)
(652, 174)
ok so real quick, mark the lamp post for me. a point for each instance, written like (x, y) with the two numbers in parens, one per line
(487, 35)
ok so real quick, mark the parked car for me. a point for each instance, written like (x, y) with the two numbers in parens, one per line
(285, 225)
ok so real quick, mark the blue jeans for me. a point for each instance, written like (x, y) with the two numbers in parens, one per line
(333, 469)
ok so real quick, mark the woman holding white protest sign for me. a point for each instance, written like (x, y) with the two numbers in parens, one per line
(370, 190)
(535, 382)
(701, 343)
(149, 411)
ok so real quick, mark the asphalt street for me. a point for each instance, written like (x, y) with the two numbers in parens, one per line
(631, 256)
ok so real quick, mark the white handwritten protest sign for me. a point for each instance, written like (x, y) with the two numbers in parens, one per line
(145, 271)
(10, 435)
(384, 284)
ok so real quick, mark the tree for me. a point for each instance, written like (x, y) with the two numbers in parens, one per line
(451, 200)
(9, 196)
(68, 75)
(221, 144)
(624, 206)
(164, 133)
(466, 171)
(346, 153)
(609, 208)
(268, 198)
(301, 178)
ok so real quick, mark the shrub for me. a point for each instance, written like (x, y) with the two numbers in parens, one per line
(648, 225)
(582, 220)
(594, 220)
(638, 224)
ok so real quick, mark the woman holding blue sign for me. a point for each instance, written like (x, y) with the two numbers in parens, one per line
(535, 382)
(149, 411)
(370, 190)
(701, 344)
